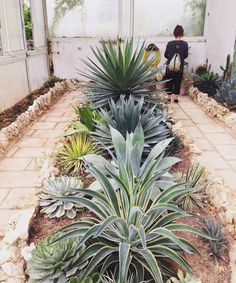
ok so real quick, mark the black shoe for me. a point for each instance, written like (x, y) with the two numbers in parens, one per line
(169, 100)
(176, 100)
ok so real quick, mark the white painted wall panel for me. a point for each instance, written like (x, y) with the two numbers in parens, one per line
(68, 52)
(221, 32)
(37, 70)
(13, 83)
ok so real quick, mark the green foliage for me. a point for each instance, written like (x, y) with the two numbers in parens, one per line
(134, 229)
(195, 182)
(69, 156)
(175, 146)
(28, 22)
(227, 93)
(208, 82)
(121, 71)
(218, 243)
(188, 278)
(55, 262)
(227, 71)
(59, 187)
(125, 115)
(94, 278)
(88, 116)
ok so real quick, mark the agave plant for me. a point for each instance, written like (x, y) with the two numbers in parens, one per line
(196, 182)
(53, 263)
(125, 115)
(120, 71)
(69, 156)
(88, 116)
(227, 93)
(59, 187)
(94, 278)
(132, 233)
(208, 82)
(188, 278)
(218, 243)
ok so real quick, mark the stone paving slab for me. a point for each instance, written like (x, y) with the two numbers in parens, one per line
(19, 170)
(212, 138)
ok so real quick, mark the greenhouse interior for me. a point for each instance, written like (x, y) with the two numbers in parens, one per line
(118, 141)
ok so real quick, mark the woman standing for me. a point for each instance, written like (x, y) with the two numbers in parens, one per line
(175, 53)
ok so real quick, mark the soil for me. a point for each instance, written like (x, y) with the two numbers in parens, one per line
(204, 266)
(10, 115)
(43, 226)
(184, 155)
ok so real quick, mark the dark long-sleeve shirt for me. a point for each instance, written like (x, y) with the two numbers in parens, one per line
(176, 46)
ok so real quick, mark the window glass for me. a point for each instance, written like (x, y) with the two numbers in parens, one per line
(28, 24)
(159, 18)
(14, 25)
(83, 18)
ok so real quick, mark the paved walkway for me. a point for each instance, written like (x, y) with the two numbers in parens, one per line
(18, 170)
(211, 137)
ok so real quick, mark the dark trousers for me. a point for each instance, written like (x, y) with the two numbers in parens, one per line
(174, 83)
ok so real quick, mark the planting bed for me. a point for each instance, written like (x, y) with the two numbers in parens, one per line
(10, 115)
(125, 183)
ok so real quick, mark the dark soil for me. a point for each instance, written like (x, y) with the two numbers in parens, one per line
(10, 115)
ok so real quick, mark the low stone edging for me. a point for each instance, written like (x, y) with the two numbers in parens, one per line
(16, 129)
(214, 109)
(222, 197)
(14, 248)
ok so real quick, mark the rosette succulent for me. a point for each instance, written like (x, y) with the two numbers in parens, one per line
(60, 187)
(55, 262)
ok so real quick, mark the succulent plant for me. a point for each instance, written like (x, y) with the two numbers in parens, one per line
(219, 242)
(88, 116)
(227, 70)
(125, 115)
(75, 147)
(188, 278)
(208, 82)
(227, 93)
(55, 262)
(94, 278)
(195, 182)
(60, 187)
(121, 72)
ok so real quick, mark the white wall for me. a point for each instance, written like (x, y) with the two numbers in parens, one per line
(21, 71)
(68, 52)
(220, 31)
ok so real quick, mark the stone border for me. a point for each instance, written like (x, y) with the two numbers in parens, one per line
(14, 248)
(214, 109)
(222, 197)
(16, 129)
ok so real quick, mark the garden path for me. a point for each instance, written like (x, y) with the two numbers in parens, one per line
(19, 171)
(218, 146)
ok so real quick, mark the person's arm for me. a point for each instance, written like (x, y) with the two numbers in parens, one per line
(166, 54)
(186, 51)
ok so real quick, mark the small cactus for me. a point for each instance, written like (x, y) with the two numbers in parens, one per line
(227, 71)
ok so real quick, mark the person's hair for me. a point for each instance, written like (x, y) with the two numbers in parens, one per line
(178, 31)
(152, 47)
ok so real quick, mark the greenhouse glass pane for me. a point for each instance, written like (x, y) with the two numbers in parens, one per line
(158, 17)
(83, 18)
